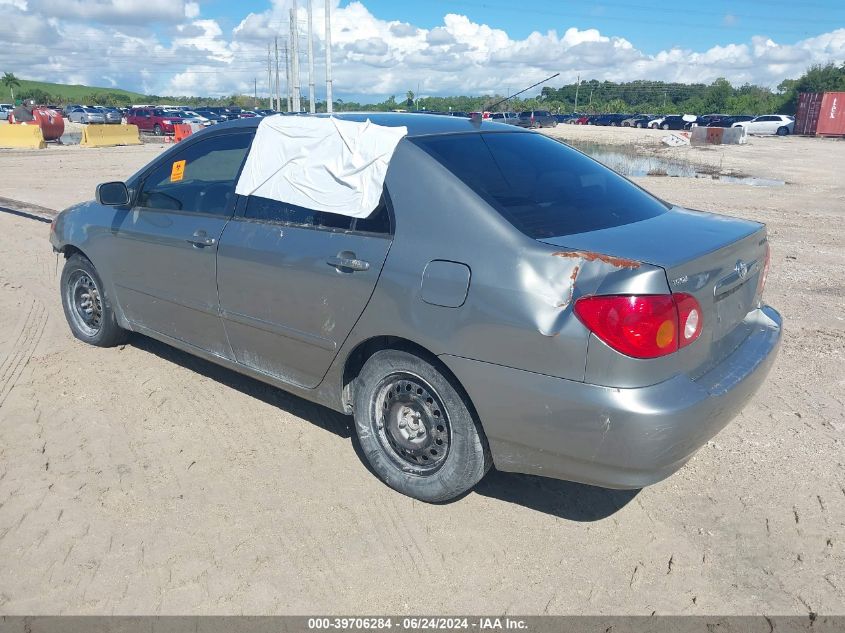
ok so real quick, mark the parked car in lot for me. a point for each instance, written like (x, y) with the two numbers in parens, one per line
(671, 122)
(536, 119)
(779, 124)
(214, 117)
(611, 119)
(508, 301)
(86, 116)
(5, 110)
(66, 110)
(110, 115)
(584, 119)
(728, 121)
(154, 120)
(643, 120)
(189, 116)
(510, 118)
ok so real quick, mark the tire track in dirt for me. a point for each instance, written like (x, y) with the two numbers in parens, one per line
(30, 330)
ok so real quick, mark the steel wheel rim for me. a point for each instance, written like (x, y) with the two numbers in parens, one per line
(411, 423)
(85, 302)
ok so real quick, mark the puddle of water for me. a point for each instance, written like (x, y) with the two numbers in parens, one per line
(629, 163)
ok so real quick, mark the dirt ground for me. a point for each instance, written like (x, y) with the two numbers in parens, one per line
(141, 480)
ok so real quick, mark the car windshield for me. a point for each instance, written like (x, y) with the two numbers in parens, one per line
(541, 186)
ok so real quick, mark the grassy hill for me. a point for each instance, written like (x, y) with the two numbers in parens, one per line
(62, 93)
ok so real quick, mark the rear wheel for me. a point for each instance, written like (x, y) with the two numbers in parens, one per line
(783, 131)
(88, 310)
(416, 428)
(665, 126)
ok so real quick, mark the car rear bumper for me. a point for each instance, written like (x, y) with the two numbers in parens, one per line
(615, 438)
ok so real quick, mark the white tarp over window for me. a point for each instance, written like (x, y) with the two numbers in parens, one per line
(320, 163)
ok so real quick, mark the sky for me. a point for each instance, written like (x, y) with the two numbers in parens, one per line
(432, 47)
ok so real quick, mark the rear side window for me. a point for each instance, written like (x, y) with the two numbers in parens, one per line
(542, 187)
(267, 210)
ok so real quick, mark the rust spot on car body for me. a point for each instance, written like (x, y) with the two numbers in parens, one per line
(618, 262)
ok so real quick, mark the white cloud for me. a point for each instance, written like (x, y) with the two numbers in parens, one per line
(111, 11)
(117, 42)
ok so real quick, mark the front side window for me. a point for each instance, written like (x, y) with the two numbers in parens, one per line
(541, 186)
(201, 178)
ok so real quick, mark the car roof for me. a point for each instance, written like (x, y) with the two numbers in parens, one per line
(417, 124)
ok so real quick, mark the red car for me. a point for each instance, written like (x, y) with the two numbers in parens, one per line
(581, 120)
(153, 120)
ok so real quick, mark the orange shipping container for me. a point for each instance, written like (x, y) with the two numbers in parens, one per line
(832, 115)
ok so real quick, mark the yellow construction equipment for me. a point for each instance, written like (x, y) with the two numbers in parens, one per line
(109, 135)
(22, 136)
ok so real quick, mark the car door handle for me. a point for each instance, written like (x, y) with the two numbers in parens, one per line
(349, 263)
(201, 238)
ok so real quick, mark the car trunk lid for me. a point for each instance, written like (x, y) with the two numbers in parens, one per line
(715, 258)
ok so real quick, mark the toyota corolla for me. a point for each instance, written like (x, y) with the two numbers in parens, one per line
(474, 294)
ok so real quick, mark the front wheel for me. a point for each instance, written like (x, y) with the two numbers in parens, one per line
(87, 308)
(665, 126)
(157, 130)
(416, 428)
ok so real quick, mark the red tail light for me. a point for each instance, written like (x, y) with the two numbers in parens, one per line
(645, 326)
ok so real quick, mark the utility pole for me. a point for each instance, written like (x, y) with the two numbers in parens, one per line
(288, 84)
(294, 57)
(664, 101)
(577, 86)
(591, 98)
(278, 83)
(269, 78)
(329, 98)
(311, 97)
(255, 92)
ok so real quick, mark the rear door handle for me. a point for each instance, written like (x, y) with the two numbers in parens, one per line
(350, 263)
(200, 238)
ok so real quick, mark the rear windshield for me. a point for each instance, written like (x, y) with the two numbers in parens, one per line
(543, 187)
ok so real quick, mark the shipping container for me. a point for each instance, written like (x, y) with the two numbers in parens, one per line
(807, 116)
(832, 115)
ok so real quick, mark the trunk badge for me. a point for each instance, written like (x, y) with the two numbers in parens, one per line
(741, 269)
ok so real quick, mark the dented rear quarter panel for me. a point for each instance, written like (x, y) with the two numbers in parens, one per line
(518, 311)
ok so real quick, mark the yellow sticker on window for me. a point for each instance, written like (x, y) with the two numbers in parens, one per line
(177, 172)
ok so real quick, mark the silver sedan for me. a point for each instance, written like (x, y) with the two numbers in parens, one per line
(508, 302)
(86, 115)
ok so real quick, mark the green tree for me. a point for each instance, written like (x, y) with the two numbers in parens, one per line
(36, 94)
(11, 82)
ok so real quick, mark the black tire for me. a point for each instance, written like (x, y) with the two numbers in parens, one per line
(157, 130)
(88, 309)
(639, 125)
(665, 126)
(450, 453)
(783, 131)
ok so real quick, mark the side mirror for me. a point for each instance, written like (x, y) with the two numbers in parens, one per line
(112, 194)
